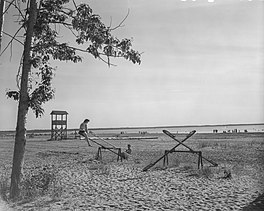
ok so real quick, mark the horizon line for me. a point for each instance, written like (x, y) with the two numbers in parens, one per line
(149, 127)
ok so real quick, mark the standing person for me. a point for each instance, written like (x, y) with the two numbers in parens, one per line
(83, 131)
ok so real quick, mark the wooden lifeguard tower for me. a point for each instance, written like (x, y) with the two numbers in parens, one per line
(58, 125)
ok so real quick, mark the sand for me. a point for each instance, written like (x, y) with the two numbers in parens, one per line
(4, 206)
(126, 187)
(110, 185)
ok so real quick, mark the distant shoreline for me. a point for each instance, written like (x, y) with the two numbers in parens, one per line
(177, 126)
(144, 127)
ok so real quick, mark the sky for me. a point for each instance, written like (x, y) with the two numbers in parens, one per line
(202, 63)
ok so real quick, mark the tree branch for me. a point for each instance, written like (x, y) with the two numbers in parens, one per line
(18, 72)
(12, 3)
(13, 38)
(75, 5)
(107, 62)
(68, 27)
(58, 22)
(9, 5)
(120, 24)
(82, 50)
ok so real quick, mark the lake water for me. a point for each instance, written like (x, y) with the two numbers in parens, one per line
(239, 128)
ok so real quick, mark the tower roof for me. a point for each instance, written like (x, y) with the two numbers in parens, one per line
(59, 113)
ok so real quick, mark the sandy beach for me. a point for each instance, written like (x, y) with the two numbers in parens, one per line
(87, 184)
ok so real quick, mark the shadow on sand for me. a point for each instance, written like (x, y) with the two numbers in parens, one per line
(256, 205)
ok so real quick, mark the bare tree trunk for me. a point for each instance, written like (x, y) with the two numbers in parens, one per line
(20, 140)
(2, 7)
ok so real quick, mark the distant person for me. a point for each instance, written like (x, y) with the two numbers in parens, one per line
(128, 150)
(83, 131)
(125, 155)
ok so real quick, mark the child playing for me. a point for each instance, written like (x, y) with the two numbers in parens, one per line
(128, 150)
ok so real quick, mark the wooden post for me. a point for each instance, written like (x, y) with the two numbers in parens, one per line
(199, 160)
(51, 129)
(66, 127)
(119, 155)
(99, 154)
(166, 159)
